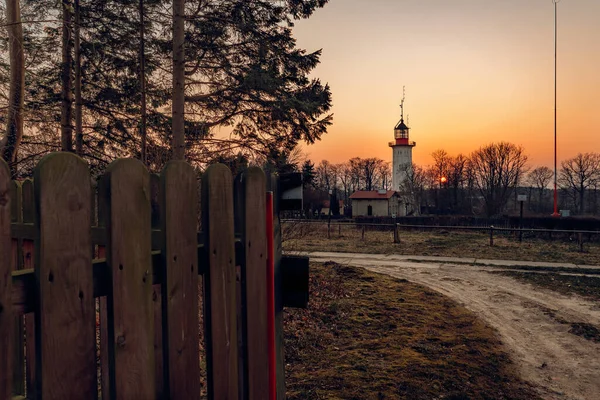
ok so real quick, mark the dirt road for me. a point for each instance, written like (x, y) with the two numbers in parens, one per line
(533, 323)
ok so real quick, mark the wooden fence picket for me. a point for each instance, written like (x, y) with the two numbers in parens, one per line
(102, 211)
(6, 312)
(220, 283)
(130, 311)
(178, 206)
(16, 216)
(28, 257)
(251, 192)
(156, 294)
(273, 186)
(65, 334)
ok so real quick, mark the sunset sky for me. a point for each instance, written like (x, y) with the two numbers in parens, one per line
(475, 71)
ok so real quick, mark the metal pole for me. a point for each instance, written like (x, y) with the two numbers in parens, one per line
(555, 214)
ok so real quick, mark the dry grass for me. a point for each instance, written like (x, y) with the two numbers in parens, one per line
(440, 243)
(369, 336)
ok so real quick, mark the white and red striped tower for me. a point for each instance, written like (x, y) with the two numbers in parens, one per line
(401, 151)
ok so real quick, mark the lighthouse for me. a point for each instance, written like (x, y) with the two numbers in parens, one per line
(401, 151)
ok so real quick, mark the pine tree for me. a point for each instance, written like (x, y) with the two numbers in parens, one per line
(244, 76)
(308, 173)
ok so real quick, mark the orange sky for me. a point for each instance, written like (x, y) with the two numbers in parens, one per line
(475, 71)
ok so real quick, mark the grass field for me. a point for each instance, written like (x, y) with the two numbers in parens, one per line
(439, 242)
(369, 336)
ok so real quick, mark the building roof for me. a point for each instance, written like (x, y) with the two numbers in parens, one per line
(401, 125)
(325, 203)
(372, 194)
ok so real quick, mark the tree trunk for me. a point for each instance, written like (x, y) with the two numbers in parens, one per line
(142, 78)
(78, 101)
(66, 133)
(581, 204)
(14, 121)
(178, 127)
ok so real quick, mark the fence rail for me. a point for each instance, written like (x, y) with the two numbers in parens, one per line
(134, 247)
(396, 228)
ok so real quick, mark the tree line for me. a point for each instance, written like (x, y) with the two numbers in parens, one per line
(485, 182)
(339, 181)
(157, 79)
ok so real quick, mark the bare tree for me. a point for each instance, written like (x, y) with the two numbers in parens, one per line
(540, 178)
(579, 173)
(345, 178)
(456, 177)
(384, 175)
(14, 123)
(325, 176)
(441, 166)
(496, 171)
(356, 173)
(412, 189)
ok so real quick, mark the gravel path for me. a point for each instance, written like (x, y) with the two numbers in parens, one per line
(533, 323)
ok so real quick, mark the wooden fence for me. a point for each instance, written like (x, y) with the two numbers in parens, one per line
(132, 256)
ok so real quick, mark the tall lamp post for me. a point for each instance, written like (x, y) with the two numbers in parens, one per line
(555, 214)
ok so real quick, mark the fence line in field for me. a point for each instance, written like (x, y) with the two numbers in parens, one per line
(491, 229)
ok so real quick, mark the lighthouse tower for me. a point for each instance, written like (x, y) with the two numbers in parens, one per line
(402, 151)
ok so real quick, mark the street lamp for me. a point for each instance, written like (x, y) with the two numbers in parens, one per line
(555, 214)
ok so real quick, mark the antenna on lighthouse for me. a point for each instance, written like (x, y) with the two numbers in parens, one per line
(402, 103)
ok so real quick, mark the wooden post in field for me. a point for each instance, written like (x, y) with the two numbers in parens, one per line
(491, 235)
(580, 241)
(65, 312)
(339, 230)
(363, 232)
(6, 315)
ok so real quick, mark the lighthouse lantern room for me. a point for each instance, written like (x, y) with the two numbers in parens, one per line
(401, 151)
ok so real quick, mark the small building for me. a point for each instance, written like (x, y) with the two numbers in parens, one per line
(376, 203)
